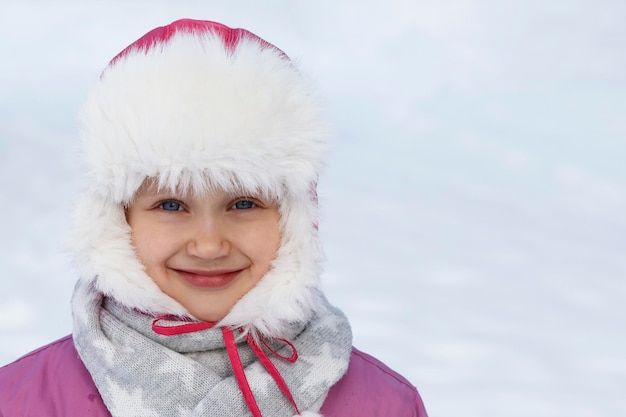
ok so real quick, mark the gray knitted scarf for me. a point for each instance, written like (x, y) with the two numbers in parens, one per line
(141, 373)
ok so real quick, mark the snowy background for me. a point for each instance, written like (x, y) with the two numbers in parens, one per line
(474, 212)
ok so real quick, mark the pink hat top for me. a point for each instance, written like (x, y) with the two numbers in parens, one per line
(162, 34)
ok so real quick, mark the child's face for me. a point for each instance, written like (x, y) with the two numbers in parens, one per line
(205, 252)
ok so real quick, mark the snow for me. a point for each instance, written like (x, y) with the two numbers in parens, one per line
(473, 211)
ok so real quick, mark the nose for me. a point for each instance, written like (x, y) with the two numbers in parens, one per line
(208, 240)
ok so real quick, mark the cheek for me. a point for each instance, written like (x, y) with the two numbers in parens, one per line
(267, 242)
(149, 248)
(258, 241)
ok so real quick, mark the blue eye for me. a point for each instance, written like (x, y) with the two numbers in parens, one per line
(170, 205)
(244, 205)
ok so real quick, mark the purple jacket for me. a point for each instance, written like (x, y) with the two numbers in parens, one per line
(53, 382)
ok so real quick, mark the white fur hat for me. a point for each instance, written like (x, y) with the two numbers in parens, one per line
(197, 104)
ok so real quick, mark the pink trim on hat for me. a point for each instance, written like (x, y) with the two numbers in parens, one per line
(162, 34)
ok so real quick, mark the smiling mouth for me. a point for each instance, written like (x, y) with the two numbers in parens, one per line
(208, 279)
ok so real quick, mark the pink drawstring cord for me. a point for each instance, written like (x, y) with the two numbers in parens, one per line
(235, 360)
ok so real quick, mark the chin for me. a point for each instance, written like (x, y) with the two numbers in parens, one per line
(211, 315)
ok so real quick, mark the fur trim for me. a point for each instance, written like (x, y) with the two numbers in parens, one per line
(193, 110)
(197, 114)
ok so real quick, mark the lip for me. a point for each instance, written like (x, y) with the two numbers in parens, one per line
(214, 279)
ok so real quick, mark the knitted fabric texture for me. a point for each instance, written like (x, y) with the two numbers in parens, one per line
(140, 373)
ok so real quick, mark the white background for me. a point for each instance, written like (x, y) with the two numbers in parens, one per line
(474, 211)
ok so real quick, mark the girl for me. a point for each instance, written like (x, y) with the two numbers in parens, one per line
(196, 239)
